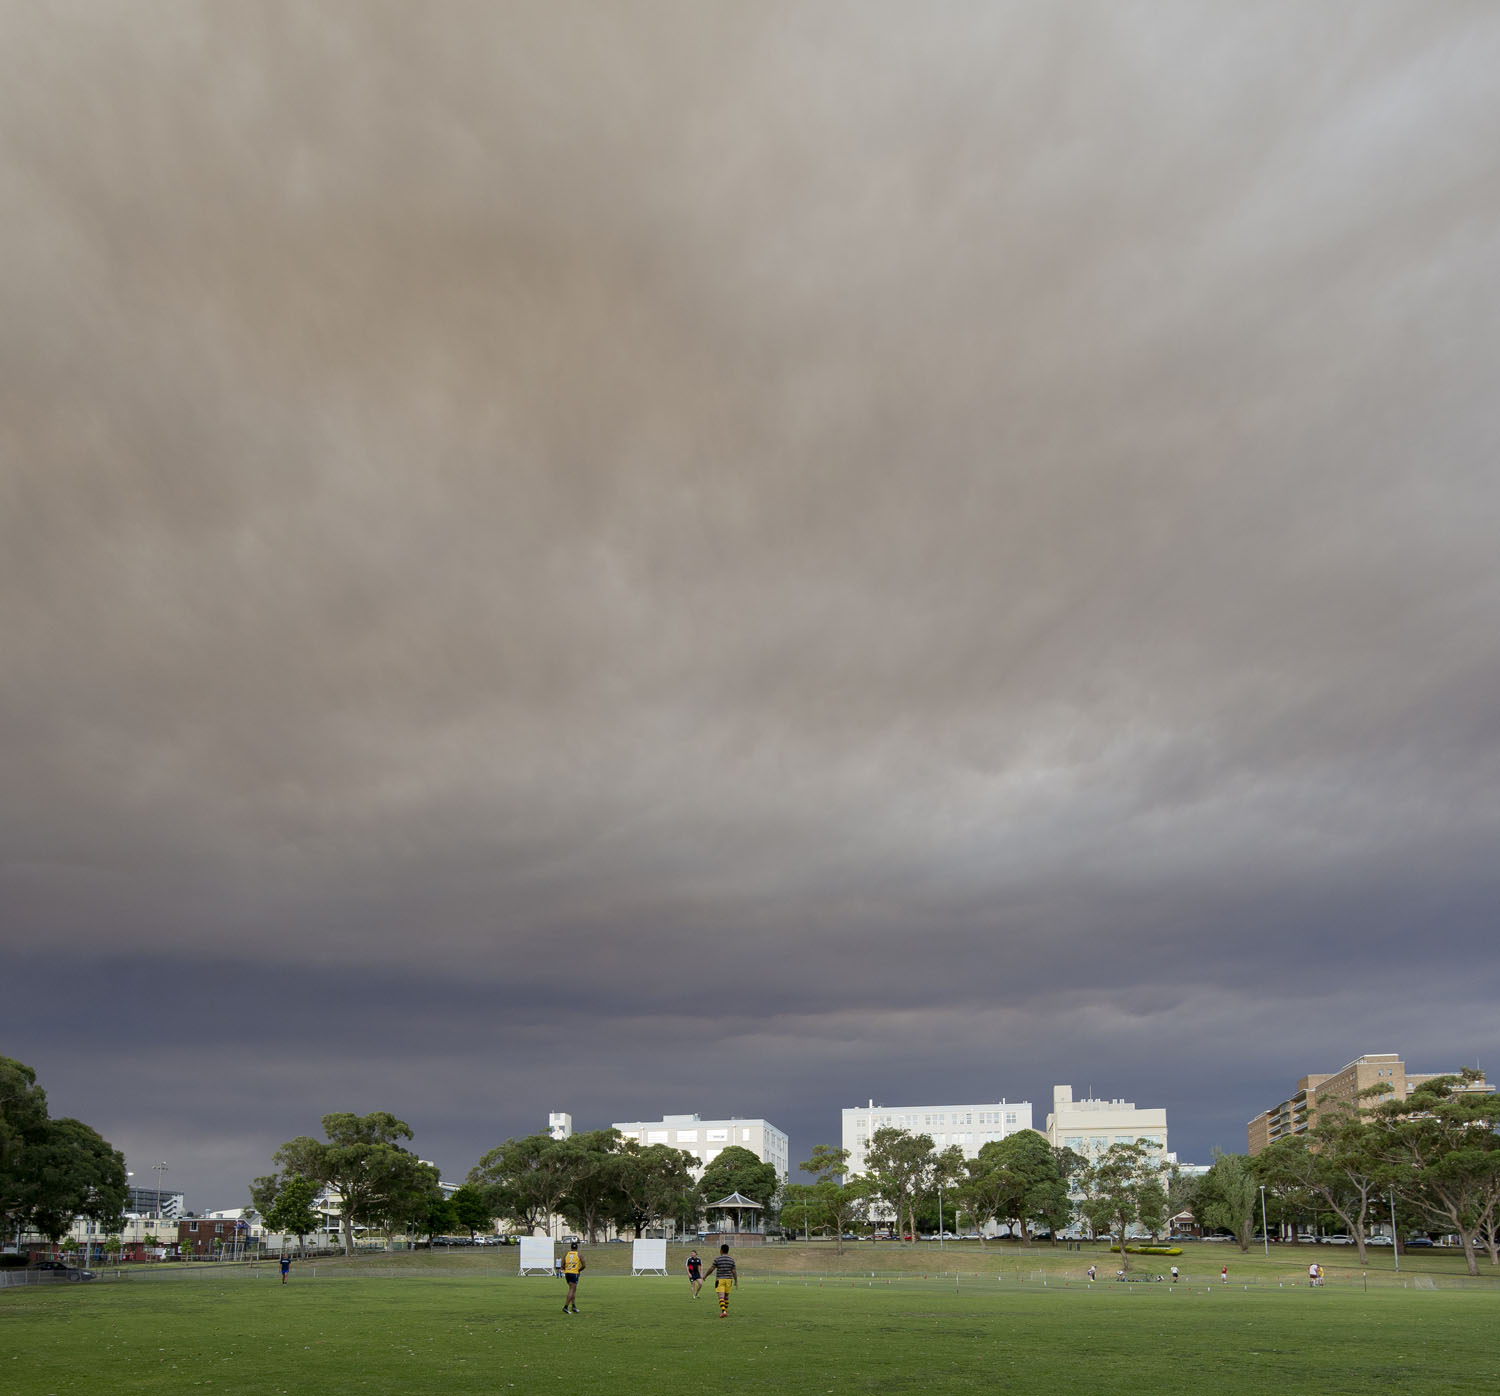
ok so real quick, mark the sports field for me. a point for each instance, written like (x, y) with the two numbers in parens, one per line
(421, 1326)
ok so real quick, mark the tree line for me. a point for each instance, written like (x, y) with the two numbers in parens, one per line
(1429, 1163)
(594, 1181)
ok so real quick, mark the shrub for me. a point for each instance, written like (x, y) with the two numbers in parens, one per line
(1150, 1250)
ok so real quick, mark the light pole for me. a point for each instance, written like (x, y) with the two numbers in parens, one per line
(158, 1169)
(940, 1216)
(1395, 1239)
(1265, 1235)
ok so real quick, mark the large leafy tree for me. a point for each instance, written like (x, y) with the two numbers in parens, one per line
(524, 1180)
(1123, 1187)
(377, 1180)
(591, 1163)
(904, 1169)
(52, 1171)
(1017, 1180)
(1332, 1167)
(654, 1182)
(1227, 1197)
(1442, 1156)
(738, 1170)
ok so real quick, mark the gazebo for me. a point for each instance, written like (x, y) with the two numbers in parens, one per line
(746, 1229)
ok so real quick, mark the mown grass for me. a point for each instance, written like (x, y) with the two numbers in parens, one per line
(470, 1328)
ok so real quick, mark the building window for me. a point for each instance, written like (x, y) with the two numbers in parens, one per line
(1010, 1117)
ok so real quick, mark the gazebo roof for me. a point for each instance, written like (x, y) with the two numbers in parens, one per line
(736, 1199)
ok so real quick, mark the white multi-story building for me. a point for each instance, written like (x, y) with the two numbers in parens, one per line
(1089, 1127)
(560, 1125)
(971, 1127)
(705, 1139)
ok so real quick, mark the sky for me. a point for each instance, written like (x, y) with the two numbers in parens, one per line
(741, 559)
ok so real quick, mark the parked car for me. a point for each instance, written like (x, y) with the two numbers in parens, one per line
(62, 1270)
(1418, 1241)
(1377, 1240)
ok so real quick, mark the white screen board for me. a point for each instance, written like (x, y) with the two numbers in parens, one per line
(649, 1255)
(536, 1255)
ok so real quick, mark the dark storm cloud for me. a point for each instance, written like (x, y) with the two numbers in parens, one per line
(956, 551)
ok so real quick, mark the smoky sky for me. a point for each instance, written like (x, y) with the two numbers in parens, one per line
(741, 558)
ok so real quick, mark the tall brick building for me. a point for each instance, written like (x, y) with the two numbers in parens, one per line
(1317, 1093)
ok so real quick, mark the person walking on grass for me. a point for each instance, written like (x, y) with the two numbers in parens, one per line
(573, 1266)
(286, 1267)
(725, 1278)
(695, 1273)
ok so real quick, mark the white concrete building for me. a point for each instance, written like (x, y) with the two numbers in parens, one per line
(560, 1125)
(971, 1127)
(705, 1139)
(1089, 1127)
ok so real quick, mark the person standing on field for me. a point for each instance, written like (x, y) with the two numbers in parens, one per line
(725, 1278)
(286, 1267)
(573, 1266)
(695, 1273)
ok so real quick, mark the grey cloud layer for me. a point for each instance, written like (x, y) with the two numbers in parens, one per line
(860, 512)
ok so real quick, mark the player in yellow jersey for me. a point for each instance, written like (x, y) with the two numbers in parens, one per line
(573, 1266)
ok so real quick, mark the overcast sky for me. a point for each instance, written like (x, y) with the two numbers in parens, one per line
(741, 558)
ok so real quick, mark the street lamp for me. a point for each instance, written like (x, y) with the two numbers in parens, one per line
(158, 1169)
(940, 1216)
(1265, 1235)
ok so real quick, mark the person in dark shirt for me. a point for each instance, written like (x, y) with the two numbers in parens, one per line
(726, 1277)
(695, 1273)
(286, 1267)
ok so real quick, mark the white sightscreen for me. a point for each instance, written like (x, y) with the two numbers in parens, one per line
(536, 1255)
(649, 1255)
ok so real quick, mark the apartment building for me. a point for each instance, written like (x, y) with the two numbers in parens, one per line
(1318, 1092)
(1090, 1126)
(706, 1139)
(970, 1126)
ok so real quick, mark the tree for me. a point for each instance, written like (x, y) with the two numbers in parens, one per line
(838, 1203)
(592, 1172)
(471, 1208)
(1123, 1186)
(903, 1169)
(523, 1180)
(377, 1180)
(1227, 1197)
(52, 1171)
(1018, 1180)
(738, 1170)
(1332, 1167)
(1442, 1154)
(285, 1204)
(653, 1180)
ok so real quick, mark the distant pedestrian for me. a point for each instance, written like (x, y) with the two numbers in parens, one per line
(1224, 1275)
(572, 1267)
(286, 1268)
(1314, 1275)
(1093, 1270)
(1174, 1274)
(725, 1278)
(695, 1273)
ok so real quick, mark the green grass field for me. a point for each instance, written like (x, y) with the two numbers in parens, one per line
(803, 1320)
